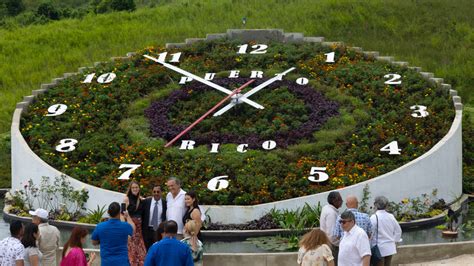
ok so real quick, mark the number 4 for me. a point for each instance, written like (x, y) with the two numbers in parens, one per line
(126, 174)
(392, 148)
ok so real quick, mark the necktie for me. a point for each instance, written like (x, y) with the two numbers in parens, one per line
(154, 219)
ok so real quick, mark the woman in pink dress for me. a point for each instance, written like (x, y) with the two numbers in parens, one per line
(73, 255)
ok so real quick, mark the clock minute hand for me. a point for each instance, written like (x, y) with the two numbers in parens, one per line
(197, 78)
(253, 91)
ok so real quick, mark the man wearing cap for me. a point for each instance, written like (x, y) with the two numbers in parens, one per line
(48, 241)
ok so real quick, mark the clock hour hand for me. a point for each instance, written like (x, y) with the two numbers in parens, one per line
(206, 82)
(253, 91)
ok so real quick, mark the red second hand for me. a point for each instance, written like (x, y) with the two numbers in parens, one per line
(207, 113)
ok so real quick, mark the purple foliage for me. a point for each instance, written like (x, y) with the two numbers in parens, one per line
(319, 107)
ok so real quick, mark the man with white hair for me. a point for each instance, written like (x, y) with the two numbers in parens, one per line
(48, 241)
(175, 203)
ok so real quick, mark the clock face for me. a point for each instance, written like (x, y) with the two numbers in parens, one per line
(238, 122)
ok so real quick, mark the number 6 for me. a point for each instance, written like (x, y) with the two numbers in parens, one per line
(320, 172)
(218, 183)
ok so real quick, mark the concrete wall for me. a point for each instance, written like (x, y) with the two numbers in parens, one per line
(440, 168)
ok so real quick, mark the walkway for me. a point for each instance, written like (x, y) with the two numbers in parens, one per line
(459, 260)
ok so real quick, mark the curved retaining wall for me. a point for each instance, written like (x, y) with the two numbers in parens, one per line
(440, 167)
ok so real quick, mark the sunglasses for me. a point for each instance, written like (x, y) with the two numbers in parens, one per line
(344, 221)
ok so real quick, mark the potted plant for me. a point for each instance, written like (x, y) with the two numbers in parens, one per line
(452, 224)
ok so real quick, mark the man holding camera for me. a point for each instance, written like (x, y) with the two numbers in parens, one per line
(112, 235)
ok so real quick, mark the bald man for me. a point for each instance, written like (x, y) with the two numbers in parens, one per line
(362, 219)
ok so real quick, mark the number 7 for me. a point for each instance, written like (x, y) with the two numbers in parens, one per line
(126, 174)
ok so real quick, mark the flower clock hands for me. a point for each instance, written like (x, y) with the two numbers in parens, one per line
(208, 112)
(197, 78)
(252, 91)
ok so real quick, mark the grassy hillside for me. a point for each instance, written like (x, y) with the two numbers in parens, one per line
(437, 35)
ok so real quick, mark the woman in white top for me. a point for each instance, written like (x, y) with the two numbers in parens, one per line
(32, 255)
(386, 231)
(315, 249)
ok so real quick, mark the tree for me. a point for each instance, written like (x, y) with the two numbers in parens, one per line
(47, 9)
(123, 5)
(13, 7)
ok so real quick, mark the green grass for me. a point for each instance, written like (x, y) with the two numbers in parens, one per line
(437, 35)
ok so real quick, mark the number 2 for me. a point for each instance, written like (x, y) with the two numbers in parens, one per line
(394, 80)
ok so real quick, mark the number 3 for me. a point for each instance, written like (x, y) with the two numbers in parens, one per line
(419, 111)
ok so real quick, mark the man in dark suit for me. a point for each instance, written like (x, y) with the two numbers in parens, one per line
(154, 212)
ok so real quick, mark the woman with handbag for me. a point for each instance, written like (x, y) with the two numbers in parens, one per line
(387, 233)
(315, 249)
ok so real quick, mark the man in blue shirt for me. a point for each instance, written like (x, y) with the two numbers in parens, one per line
(169, 251)
(112, 236)
(362, 219)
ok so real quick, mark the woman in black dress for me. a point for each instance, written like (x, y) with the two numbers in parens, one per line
(193, 212)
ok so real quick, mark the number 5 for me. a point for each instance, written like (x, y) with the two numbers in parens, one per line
(218, 183)
(322, 176)
(126, 174)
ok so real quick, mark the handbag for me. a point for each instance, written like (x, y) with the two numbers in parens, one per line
(376, 256)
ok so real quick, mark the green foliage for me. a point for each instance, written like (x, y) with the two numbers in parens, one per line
(48, 10)
(104, 6)
(59, 197)
(299, 219)
(94, 216)
(409, 209)
(364, 203)
(468, 153)
(12, 7)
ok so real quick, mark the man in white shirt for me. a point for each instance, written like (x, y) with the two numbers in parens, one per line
(11, 249)
(327, 221)
(354, 248)
(48, 241)
(387, 231)
(150, 219)
(175, 203)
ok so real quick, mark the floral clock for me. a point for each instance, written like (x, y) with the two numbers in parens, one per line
(241, 121)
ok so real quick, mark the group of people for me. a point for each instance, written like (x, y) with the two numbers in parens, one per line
(351, 237)
(156, 231)
(32, 244)
(152, 230)
(140, 231)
